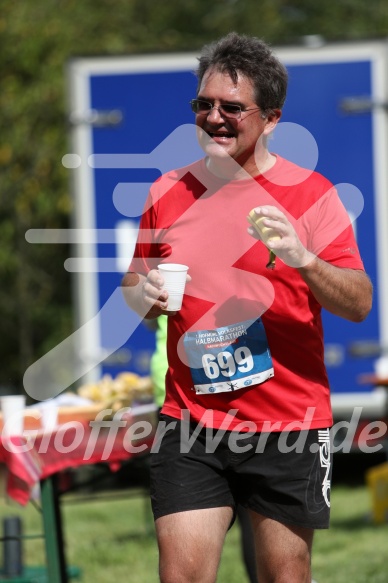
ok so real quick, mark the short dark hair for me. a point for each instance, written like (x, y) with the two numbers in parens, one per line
(253, 58)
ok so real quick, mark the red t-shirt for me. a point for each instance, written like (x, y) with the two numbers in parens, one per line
(195, 218)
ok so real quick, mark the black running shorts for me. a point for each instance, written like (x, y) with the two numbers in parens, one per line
(284, 476)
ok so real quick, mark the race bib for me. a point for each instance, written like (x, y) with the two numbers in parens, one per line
(229, 358)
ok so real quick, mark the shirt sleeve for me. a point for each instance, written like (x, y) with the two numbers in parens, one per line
(332, 237)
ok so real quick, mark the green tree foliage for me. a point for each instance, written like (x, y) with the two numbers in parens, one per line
(37, 37)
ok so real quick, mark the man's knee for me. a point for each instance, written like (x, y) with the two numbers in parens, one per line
(188, 571)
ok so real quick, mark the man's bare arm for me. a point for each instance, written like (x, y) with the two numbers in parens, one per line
(343, 292)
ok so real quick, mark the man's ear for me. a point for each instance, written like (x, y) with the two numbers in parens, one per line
(273, 117)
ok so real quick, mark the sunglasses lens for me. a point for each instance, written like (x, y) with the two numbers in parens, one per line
(230, 109)
(199, 106)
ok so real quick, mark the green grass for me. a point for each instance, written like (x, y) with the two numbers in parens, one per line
(109, 541)
(354, 549)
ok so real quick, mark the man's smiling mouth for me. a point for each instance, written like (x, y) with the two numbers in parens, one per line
(220, 135)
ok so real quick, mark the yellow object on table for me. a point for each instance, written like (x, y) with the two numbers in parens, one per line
(124, 390)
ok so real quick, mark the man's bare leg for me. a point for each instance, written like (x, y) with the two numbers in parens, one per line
(283, 552)
(190, 544)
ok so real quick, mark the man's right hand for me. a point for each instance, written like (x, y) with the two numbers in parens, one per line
(145, 295)
(153, 295)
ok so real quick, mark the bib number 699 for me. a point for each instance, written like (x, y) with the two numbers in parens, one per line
(227, 363)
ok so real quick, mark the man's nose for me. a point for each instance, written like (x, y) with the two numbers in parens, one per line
(215, 114)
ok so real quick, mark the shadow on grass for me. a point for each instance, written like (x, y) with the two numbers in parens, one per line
(353, 523)
(128, 536)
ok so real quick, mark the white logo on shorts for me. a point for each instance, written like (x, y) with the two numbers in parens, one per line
(324, 454)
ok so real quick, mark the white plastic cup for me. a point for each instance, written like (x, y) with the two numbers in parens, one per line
(174, 302)
(12, 407)
(49, 416)
(174, 275)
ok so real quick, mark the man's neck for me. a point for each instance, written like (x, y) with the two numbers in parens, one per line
(229, 169)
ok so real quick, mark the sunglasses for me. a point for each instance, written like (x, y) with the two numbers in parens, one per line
(229, 110)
